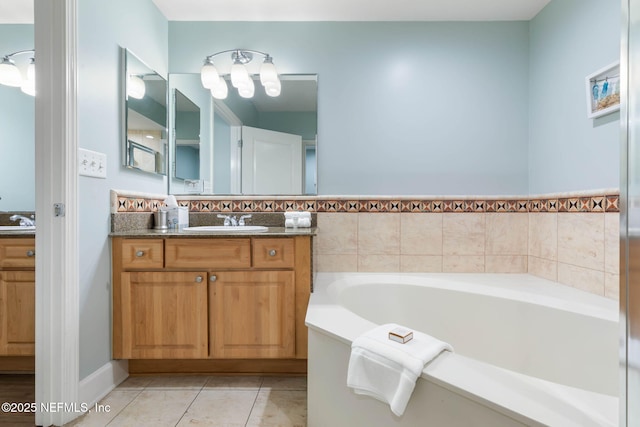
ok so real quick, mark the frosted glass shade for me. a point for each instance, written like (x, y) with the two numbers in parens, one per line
(268, 73)
(209, 75)
(9, 73)
(29, 84)
(273, 89)
(136, 87)
(220, 90)
(247, 90)
(239, 76)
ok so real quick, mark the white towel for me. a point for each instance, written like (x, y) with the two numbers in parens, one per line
(302, 222)
(297, 214)
(387, 370)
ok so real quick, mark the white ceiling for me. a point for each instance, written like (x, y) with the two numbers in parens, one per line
(350, 10)
(21, 11)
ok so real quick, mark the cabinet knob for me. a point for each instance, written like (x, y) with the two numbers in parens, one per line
(213, 278)
(199, 279)
(272, 252)
(31, 253)
(139, 254)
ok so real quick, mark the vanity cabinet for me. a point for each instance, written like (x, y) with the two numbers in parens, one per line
(237, 298)
(17, 296)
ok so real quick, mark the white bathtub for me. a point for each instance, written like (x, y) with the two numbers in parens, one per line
(527, 351)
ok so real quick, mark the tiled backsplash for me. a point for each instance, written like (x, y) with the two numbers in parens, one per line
(569, 238)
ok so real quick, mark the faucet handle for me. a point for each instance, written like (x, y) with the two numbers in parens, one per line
(242, 218)
(227, 219)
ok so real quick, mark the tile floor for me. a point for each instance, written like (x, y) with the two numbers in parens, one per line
(228, 401)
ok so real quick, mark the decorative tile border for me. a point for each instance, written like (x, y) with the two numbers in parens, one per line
(598, 203)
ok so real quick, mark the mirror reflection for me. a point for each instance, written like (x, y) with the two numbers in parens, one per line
(261, 145)
(187, 137)
(145, 147)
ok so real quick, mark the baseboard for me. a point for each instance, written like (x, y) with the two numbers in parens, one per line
(218, 366)
(97, 385)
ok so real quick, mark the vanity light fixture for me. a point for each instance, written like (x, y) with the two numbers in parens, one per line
(10, 75)
(240, 77)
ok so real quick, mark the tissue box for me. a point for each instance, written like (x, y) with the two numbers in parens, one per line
(178, 217)
(400, 335)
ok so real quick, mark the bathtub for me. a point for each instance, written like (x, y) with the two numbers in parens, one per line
(527, 351)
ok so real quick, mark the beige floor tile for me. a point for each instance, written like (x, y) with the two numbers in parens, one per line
(234, 382)
(229, 408)
(284, 383)
(109, 408)
(281, 408)
(135, 383)
(190, 382)
(155, 408)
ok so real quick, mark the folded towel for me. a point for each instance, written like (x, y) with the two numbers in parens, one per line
(387, 370)
(302, 222)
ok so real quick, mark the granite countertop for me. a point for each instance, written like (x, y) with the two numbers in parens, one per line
(17, 233)
(271, 231)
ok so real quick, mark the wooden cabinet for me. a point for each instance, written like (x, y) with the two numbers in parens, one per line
(241, 298)
(164, 315)
(252, 314)
(17, 296)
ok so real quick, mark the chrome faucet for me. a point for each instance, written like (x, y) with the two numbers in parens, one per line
(24, 221)
(242, 218)
(229, 220)
(233, 221)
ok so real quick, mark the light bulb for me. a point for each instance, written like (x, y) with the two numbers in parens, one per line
(268, 73)
(136, 87)
(9, 73)
(209, 75)
(273, 89)
(239, 75)
(220, 89)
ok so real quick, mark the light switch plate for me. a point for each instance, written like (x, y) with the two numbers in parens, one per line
(92, 163)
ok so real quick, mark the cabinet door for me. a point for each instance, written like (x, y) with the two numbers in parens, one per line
(17, 253)
(164, 315)
(17, 313)
(252, 314)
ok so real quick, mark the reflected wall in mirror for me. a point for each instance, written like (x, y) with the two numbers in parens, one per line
(145, 95)
(187, 137)
(261, 145)
(17, 114)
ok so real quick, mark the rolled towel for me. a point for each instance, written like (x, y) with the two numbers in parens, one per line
(387, 370)
(302, 223)
(297, 214)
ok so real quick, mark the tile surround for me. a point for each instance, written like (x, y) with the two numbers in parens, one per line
(569, 238)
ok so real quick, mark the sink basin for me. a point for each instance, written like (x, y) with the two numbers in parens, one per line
(17, 228)
(227, 228)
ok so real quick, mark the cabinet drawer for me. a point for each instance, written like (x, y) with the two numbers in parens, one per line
(208, 253)
(273, 253)
(142, 253)
(17, 253)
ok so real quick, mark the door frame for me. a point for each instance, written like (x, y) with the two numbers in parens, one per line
(57, 273)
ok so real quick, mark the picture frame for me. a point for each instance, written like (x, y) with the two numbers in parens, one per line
(603, 91)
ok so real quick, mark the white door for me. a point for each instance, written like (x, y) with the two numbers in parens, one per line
(271, 162)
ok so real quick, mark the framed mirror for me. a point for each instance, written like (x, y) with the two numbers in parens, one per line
(187, 137)
(145, 141)
(257, 146)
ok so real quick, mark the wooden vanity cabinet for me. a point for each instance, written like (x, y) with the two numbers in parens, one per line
(211, 298)
(17, 296)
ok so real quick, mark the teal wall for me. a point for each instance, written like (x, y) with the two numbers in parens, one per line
(403, 108)
(303, 124)
(104, 26)
(222, 158)
(17, 140)
(570, 39)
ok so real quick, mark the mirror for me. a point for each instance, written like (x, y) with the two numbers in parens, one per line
(145, 95)
(187, 137)
(260, 146)
(17, 121)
